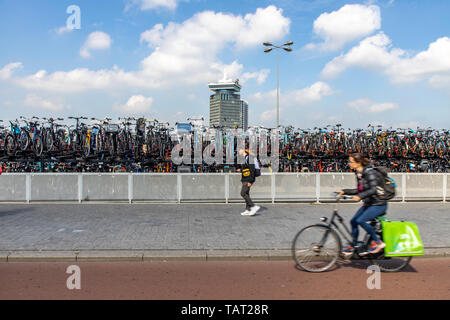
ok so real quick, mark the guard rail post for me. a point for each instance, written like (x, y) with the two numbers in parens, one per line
(80, 187)
(272, 187)
(179, 187)
(227, 187)
(403, 187)
(444, 187)
(130, 188)
(28, 188)
(317, 187)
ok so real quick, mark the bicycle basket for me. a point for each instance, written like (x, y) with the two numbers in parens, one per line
(112, 128)
(401, 238)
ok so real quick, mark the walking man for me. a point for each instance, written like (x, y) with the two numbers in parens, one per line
(249, 171)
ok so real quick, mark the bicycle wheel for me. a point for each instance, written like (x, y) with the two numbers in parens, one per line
(24, 140)
(390, 264)
(316, 248)
(49, 140)
(10, 145)
(86, 145)
(38, 147)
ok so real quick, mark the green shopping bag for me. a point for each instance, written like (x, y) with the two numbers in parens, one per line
(401, 238)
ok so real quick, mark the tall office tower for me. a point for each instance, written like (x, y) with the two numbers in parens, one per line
(225, 105)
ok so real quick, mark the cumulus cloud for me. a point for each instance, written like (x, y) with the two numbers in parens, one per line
(35, 101)
(7, 71)
(192, 46)
(376, 53)
(138, 104)
(97, 40)
(184, 53)
(366, 105)
(349, 23)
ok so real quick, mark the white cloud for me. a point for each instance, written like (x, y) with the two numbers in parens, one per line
(63, 30)
(366, 105)
(182, 53)
(315, 92)
(269, 115)
(293, 98)
(265, 25)
(152, 4)
(440, 81)
(97, 40)
(406, 125)
(349, 23)
(136, 105)
(376, 53)
(35, 101)
(190, 48)
(260, 76)
(7, 71)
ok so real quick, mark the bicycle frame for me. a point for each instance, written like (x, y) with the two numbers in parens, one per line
(347, 236)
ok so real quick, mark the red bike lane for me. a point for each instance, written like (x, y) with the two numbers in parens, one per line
(223, 280)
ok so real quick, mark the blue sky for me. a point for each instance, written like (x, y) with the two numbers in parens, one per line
(354, 62)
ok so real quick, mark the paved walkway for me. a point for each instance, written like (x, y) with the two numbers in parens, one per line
(188, 230)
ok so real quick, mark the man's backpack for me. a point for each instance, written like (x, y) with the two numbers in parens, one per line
(386, 186)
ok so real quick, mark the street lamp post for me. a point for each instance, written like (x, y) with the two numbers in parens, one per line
(286, 47)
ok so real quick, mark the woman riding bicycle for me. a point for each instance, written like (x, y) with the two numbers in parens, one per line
(367, 179)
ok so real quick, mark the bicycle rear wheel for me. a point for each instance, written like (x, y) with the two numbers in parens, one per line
(390, 264)
(316, 248)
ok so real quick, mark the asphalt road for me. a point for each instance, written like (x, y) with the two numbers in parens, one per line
(423, 279)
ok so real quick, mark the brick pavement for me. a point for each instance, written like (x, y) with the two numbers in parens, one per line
(73, 227)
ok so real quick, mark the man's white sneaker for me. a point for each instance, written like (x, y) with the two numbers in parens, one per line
(254, 209)
(245, 213)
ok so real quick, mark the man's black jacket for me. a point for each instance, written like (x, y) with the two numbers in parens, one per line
(248, 170)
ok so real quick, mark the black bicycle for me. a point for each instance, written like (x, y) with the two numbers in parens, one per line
(316, 248)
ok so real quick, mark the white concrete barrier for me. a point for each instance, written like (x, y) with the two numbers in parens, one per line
(214, 187)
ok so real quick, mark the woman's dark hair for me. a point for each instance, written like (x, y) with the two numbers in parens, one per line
(360, 158)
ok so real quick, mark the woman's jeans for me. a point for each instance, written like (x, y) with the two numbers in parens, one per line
(361, 217)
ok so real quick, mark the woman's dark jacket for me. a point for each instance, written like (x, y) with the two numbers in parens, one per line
(369, 180)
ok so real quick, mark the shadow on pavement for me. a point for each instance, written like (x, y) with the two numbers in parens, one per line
(356, 264)
(13, 212)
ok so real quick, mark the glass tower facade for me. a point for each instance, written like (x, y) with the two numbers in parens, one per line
(225, 105)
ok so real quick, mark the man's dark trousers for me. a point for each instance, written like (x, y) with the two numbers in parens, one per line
(245, 193)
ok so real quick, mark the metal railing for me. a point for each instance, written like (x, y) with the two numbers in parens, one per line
(208, 187)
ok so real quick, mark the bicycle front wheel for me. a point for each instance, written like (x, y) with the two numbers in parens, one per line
(316, 248)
